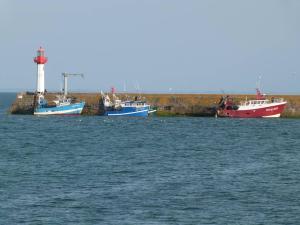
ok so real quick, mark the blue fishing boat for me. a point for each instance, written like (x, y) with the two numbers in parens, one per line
(63, 106)
(125, 108)
(129, 108)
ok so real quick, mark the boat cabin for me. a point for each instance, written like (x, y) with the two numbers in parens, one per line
(262, 102)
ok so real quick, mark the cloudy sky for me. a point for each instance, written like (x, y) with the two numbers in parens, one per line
(154, 45)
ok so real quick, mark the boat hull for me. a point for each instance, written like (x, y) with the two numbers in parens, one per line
(273, 110)
(129, 111)
(72, 109)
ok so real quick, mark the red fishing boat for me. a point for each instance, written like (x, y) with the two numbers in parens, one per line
(258, 108)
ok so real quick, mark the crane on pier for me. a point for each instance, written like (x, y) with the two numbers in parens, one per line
(65, 76)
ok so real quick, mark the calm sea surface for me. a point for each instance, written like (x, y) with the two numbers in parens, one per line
(99, 170)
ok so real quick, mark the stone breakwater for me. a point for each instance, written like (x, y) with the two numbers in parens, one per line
(166, 104)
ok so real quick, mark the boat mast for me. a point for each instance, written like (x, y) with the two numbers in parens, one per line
(258, 84)
(259, 95)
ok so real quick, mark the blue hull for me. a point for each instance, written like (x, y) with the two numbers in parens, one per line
(129, 111)
(72, 109)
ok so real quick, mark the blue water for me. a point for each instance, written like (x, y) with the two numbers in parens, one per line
(99, 170)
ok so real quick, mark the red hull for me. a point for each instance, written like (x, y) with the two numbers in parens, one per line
(268, 111)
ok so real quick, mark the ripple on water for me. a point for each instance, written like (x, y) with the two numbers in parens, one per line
(99, 170)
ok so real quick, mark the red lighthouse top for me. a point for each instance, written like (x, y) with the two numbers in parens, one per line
(40, 57)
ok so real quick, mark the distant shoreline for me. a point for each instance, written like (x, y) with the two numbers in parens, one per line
(170, 93)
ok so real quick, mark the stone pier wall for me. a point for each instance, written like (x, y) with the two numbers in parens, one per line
(166, 104)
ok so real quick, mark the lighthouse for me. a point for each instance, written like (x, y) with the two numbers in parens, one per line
(40, 60)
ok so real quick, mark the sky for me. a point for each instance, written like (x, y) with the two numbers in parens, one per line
(184, 46)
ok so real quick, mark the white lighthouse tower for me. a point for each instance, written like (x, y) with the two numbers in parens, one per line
(40, 60)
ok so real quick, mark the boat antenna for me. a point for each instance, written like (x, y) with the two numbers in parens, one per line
(137, 88)
(124, 87)
(259, 95)
(258, 83)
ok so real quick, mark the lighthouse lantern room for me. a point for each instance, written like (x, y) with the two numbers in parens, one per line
(40, 60)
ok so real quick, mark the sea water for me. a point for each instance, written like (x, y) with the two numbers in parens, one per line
(156, 170)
